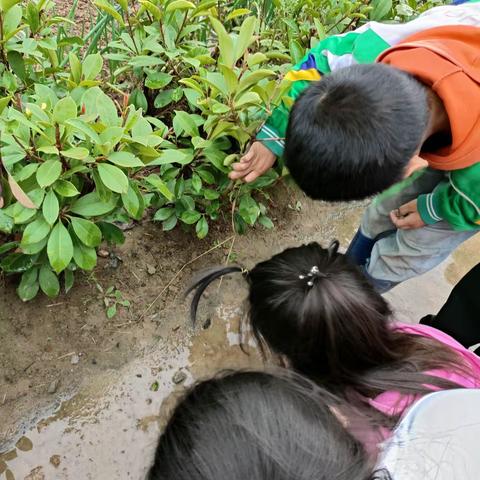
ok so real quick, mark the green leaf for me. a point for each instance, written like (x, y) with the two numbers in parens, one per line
(110, 9)
(181, 157)
(180, 5)
(237, 13)
(138, 99)
(48, 172)
(65, 188)
(163, 99)
(75, 67)
(17, 64)
(48, 281)
(170, 223)
(153, 9)
(266, 222)
(35, 231)
(201, 228)
(87, 232)
(296, 51)
(190, 217)
(85, 257)
(380, 9)
(97, 102)
(245, 36)
(160, 186)
(11, 20)
(131, 202)
(6, 222)
(196, 183)
(113, 178)
(111, 233)
(184, 123)
(225, 43)
(34, 248)
(163, 214)
(78, 153)
(125, 159)
(29, 286)
(59, 248)
(158, 80)
(69, 279)
(6, 5)
(248, 209)
(248, 98)
(7, 247)
(92, 66)
(81, 126)
(4, 103)
(64, 110)
(111, 311)
(50, 207)
(253, 78)
(17, 263)
(206, 176)
(91, 205)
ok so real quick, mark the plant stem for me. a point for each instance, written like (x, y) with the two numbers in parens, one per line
(181, 27)
(59, 146)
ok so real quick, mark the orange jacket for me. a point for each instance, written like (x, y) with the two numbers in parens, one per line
(447, 59)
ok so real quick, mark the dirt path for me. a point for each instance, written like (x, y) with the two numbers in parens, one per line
(112, 381)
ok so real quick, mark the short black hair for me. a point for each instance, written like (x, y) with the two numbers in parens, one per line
(351, 134)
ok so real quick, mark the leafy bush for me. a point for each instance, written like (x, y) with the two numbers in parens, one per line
(151, 121)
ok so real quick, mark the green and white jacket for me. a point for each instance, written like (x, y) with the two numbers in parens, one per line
(364, 45)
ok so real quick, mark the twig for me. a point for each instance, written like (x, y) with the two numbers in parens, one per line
(180, 271)
(55, 304)
(66, 355)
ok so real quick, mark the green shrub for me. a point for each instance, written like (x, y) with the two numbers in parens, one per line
(146, 114)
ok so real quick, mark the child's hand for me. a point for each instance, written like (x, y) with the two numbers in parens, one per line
(407, 217)
(254, 163)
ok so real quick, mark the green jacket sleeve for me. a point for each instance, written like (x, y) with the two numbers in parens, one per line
(334, 52)
(456, 200)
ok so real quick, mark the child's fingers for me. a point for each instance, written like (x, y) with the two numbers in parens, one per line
(253, 175)
(241, 166)
(248, 157)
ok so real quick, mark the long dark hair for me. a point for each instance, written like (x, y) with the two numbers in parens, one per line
(312, 306)
(258, 426)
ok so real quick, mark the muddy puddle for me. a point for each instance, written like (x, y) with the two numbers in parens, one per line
(110, 429)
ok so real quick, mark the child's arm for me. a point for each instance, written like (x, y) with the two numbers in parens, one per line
(457, 201)
(361, 46)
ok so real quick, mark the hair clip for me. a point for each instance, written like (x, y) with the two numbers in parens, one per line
(311, 275)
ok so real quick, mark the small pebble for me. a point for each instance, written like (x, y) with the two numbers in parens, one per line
(103, 253)
(151, 270)
(24, 444)
(94, 362)
(52, 388)
(55, 460)
(207, 323)
(75, 359)
(139, 375)
(179, 377)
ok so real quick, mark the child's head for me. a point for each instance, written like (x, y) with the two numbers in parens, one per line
(330, 321)
(314, 308)
(257, 426)
(352, 134)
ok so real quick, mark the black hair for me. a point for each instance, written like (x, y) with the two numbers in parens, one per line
(258, 426)
(313, 307)
(351, 134)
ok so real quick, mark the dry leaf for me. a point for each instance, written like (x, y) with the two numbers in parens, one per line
(19, 194)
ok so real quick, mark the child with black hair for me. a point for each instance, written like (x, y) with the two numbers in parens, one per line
(274, 426)
(259, 426)
(317, 311)
(360, 129)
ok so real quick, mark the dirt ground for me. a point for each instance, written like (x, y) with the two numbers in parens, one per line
(83, 396)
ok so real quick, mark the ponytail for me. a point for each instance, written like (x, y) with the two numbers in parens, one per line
(202, 281)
